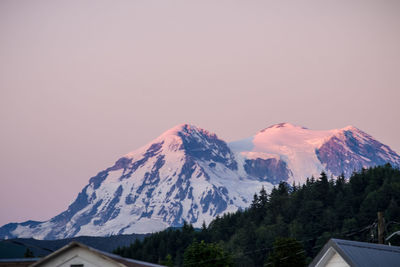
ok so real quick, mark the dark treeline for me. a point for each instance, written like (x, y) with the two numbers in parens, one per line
(311, 214)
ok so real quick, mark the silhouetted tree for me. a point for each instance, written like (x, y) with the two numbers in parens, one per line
(287, 252)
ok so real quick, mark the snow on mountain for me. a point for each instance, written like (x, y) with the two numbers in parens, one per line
(185, 174)
(351, 149)
(300, 152)
(190, 174)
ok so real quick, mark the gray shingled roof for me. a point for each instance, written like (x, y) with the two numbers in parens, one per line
(362, 254)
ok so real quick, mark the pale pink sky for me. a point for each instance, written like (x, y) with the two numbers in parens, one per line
(84, 82)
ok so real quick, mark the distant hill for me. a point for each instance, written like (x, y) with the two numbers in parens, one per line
(15, 248)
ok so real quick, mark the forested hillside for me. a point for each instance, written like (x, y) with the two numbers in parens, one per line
(311, 214)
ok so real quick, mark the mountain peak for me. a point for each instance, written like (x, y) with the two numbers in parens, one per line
(185, 129)
(284, 125)
(350, 128)
(176, 138)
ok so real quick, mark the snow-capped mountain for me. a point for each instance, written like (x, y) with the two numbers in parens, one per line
(295, 152)
(190, 174)
(185, 174)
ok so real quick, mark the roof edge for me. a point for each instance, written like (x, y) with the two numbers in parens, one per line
(71, 245)
(105, 255)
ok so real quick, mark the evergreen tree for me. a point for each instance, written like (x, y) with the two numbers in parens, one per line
(263, 198)
(206, 255)
(255, 203)
(28, 253)
(287, 252)
(168, 261)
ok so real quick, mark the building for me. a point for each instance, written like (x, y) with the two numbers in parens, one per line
(77, 255)
(344, 253)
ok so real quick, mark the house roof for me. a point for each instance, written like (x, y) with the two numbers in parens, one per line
(361, 253)
(105, 255)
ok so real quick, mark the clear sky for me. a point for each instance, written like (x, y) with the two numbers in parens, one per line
(84, 82)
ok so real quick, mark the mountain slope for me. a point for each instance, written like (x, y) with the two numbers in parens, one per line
(185, 174)
(190, 174)
(298, 152)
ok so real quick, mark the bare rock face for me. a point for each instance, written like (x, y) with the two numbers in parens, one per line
(271, 170)
(352, 150)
